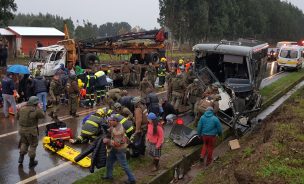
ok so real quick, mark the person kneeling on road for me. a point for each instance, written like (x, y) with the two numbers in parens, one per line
(118, 145)
(92, 127)
(28, 117)
(209, 127)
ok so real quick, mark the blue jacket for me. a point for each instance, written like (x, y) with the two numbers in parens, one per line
(8, 86)
(209, 124)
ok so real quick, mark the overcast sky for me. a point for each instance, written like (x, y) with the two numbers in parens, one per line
(143, 13)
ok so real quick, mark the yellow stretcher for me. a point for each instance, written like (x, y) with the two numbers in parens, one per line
(68, 153)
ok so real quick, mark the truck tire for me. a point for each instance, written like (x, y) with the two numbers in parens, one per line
(90, 59)
(152, 58)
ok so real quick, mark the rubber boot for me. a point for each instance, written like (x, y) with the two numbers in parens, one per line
(33, 162)
(156, 164)
(21, 158)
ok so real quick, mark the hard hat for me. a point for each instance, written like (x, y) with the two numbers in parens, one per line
(33, 100)
(46, 140)
(195, 80)
(181, 61)
(100, 112)
(109, 71)
(117, 105)
(163, 59)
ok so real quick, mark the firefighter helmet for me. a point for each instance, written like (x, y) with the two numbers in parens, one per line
(100, 112)
(163, 60)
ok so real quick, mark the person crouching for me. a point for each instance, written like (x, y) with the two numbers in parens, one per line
(155, 139)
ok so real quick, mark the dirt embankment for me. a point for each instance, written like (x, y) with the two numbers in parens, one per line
(272, 153)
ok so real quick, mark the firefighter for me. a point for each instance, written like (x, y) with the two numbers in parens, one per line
(56, 89)
(162, 72)
(119, 109)
(73, 91)
(151, 73)
(90, 88)
(28, 117)
(95, 125)
(193, 93)
(126, 73)
(100, 86)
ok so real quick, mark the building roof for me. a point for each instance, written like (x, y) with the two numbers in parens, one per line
(35, 31)
(5, 32)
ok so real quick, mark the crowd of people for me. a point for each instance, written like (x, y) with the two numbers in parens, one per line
(127, 121)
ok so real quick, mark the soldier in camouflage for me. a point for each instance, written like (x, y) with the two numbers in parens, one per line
(28, 117)
(193, 94)
(178, 89)
(73, 91)
(56, 89)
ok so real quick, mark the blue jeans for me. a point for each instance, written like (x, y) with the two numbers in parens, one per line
(42, 99)
(120, 156)
(8, 100)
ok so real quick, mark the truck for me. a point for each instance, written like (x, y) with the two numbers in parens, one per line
(145, 47)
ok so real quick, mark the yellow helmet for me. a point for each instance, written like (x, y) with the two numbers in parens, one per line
(109, 71)
(163, 60)
(181, 61)
(100, 112)
(46, 140)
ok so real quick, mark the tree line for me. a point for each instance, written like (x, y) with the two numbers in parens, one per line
(82, 30)
(213, 20)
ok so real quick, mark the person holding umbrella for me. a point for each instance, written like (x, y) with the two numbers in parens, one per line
(8, 91)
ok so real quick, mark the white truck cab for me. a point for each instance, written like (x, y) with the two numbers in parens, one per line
(48, 59)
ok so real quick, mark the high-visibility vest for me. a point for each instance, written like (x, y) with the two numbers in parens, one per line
(127, 124)
(88, 81)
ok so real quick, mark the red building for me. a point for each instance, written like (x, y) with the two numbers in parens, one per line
(25, 38)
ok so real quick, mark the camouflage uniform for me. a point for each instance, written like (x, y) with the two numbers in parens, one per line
(113, 95)
(194, 93)
(126, 73)
(73, 91)
(28, 117)
(145, 87)
(124, 111)
(178, 88)
(202, 105)
(151, 74)
(169, 79)
(136, 71)
(56, 89)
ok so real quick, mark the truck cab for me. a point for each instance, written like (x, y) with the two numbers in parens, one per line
(48, 59)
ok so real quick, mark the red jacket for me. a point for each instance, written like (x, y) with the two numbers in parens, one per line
(158, 138)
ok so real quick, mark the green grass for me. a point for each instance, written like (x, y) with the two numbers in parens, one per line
(282, 168)
(274, 88)
(247, 152)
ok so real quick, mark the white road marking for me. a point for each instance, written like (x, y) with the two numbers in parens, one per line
(44, 173)
(84, 112)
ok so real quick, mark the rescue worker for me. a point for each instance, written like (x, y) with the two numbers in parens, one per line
(28, 117)
(193, 93)
(100, 86)
(126, 73)
(73, 91)
(56, 89)
(210, 99)
(113, 95)
(178, 88)
(162, 72)
(90, 83)
(119, 109)
(136, 72)
(127, 102)
(92, 127)
(152, 103)
(145, 87)
(151, 73)
(169, 79)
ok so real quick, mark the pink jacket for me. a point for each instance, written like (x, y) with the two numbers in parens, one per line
(158, 138)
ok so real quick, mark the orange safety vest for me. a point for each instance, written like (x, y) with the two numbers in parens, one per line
(187, 67)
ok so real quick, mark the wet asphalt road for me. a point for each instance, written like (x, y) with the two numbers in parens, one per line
(52, 168)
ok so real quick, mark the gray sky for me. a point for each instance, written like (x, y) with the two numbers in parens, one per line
(143, 13)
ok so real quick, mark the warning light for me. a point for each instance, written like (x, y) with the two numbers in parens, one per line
(179, 121)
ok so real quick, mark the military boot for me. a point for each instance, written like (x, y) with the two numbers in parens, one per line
(33, 162)
(21, 158)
